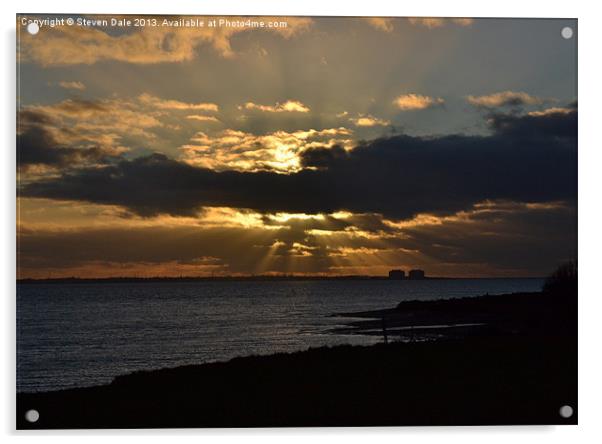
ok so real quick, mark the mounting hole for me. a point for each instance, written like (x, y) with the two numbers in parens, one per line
(566, 411)
(33, 28)
(567, 32)
(32, 415)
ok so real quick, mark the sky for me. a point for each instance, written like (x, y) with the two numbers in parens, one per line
(311, 146)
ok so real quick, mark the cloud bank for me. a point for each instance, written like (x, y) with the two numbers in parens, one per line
(526, 158)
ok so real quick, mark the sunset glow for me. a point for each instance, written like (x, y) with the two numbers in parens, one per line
(236, 152)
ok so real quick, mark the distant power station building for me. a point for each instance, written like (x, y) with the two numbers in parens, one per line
(397, 274)
(416, 274)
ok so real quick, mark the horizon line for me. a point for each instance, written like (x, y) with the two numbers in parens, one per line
(261, 277)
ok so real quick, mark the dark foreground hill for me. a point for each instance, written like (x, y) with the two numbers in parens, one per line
(499, 376)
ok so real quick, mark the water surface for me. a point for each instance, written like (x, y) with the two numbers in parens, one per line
(81, 334)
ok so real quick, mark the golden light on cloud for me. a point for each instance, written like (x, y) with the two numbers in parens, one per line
(419, 220)
(344, 251)
(381, 23)
(369, 121)
(437, 22)
(285, 217)
(342, 214)
(411, 102)
(504, 98)
(230, 217)
(288, 106)
(551, 111)
(73, 85)
(278, 151)
(202, 118)
(385, 24)
(158, 103)
(51, 214)
(299, 249)
(320, 232)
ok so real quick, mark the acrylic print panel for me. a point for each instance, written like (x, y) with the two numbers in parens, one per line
(296, 221)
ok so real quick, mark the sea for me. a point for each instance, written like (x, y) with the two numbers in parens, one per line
(85, 334)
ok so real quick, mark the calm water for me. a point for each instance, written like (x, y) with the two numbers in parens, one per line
(85, 334)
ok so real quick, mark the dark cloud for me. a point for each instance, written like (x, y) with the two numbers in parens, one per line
(323, 157)
(507, 236)
(528, 158)
(560, 124)
(36, 145)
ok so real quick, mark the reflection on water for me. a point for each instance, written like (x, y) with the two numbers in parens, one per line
(84, 334)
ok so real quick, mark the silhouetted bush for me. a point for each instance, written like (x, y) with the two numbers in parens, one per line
(563, 279)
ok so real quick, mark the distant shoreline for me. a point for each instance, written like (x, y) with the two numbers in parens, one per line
(130, 279)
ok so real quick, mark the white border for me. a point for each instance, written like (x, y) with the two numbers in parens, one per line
(457, 8)
(590, 164)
